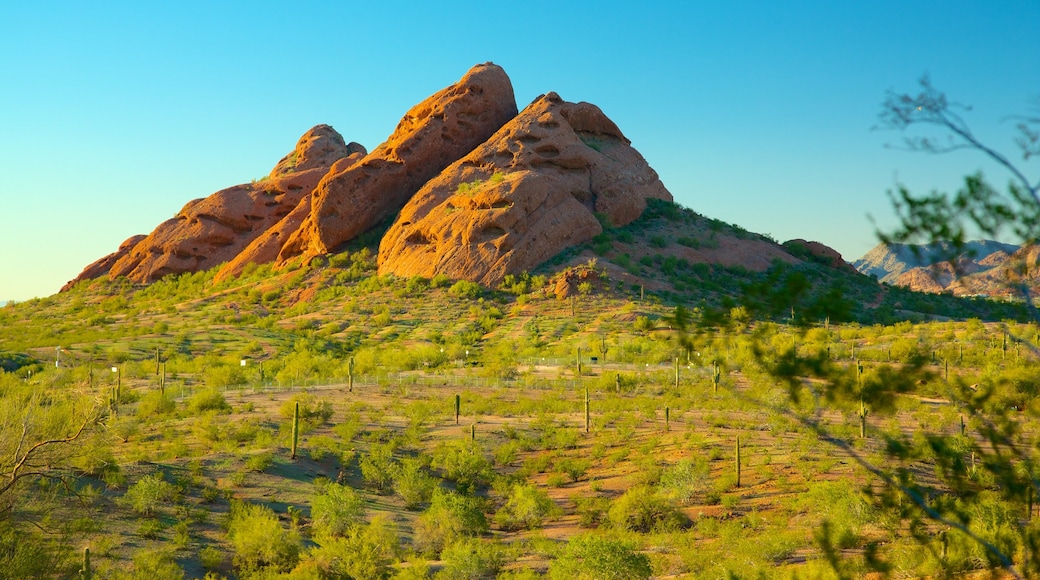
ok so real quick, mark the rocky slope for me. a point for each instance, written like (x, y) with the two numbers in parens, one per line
(888, 261)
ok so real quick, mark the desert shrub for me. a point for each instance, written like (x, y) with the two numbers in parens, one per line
(223, 376)
(466, 289)
(640, 509)
(145, 496)
(463, 462)
(449, 517)
(378, 466)
(526, 508)
(686, 478)
(413, 484)
(591, 557)
(208, 400)
(260, 543)
(260, 462)
(365, 551)
(439, 281)
(155, 403)
(469, 558)
(211, 558)
(335, 511)
(591, 510)
(154, 565)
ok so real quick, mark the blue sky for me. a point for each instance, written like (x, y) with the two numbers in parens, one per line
(113, 115)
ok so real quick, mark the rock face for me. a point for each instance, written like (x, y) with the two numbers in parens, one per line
(528, 192)
(213, 230)
(433, 134)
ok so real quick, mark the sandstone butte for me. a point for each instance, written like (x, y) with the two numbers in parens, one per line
(531, 190)
(478, 190)
(433, 134)
(210, 231)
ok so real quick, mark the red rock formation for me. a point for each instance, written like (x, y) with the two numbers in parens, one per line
(824, 253)
(527, 193)
(433, 134)
(101, 267)
(209, 231)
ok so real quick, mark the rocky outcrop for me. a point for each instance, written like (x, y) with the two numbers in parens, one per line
(213, 230)
(101, 267)
(432, 135)
(821, 253)
(530, 191)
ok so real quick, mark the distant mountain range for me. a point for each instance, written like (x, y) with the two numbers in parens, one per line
(982, 267)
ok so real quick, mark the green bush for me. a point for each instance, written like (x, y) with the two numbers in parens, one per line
(260, 543)
(208, 400)
(686, 478)
(526, 508)
(469, 558)
(145, 496)
(336, 511)
(365, 551)
(640, 509)
(466, 289)
(155, 403)
(590, 557)
(413, 484)
(378, 467)
(449, 517)
(463, 462)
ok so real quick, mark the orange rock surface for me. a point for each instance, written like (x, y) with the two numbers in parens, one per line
(528, 192)
(432, 135)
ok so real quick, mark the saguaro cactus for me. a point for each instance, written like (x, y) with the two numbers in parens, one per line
(350, 375)
(295, 428)
(716, 375)
(737, 450)
(473, 431)
(588, 422)
(458, 407)
(667, 419)
(617, 382)
(677, 372)
(862, 420)
(85, 572)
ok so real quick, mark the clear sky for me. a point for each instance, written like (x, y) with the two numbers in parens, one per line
(113, 115)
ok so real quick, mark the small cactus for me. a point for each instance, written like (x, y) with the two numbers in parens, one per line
(862, 420)
(473, 431)
(588, 422)
(295, 428)
(85, 573)
(350, 375)
(737, 450)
